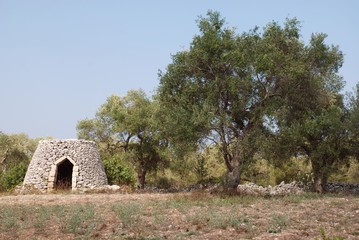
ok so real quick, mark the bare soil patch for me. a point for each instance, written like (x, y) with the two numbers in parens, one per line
(196, 215)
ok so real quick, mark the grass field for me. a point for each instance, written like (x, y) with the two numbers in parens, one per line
(178, 216)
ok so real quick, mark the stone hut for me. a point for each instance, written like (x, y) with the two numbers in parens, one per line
(66, 164)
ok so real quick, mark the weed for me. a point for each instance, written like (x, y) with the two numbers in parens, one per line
(42, 216)
(277, 223)
(128, 213)
(325, 237)
(182, 205)
(142, 238)
(240, 222)
(180, 216)
(185, 234)
(79, 220)
(13, 217)
(8, 218)
(220, 219)
(227, 200)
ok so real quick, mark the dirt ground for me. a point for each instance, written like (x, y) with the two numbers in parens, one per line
(97, 199)
(178, 216)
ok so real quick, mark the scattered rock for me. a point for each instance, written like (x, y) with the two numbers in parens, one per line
(281, 189)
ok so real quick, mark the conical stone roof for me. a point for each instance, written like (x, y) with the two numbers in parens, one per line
(77, 160)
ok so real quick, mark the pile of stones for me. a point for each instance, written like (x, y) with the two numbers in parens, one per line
(246, 189)
(279, 190)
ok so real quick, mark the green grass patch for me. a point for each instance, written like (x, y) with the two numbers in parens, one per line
(79, 219)
(129, 213)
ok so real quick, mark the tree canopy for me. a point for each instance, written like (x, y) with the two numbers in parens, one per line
(228, 88)
(15, 154)
(127, 124)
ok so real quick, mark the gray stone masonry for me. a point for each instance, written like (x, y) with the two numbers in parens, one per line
(87, 171)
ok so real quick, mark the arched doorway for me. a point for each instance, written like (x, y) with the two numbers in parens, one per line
(64, 175)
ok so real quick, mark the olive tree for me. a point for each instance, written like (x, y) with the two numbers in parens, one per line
(127, 124)
(227, 87)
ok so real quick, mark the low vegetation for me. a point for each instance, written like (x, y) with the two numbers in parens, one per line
(196, 215)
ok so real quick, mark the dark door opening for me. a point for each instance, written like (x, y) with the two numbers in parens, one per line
(64, 175)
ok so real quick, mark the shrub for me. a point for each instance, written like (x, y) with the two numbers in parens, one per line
(261, 173)
(118, 172)
(346, 172)
(12, 177)
(353, 171)
(325, 237)
(295, 169)
(163, 182)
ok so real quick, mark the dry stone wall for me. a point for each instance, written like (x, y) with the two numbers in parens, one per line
(342, 187)
(87, 171)
(281, 189)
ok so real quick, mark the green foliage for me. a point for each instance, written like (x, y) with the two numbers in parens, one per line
(353, 123)
(277, 223)
(16, 151)
(353, 171)
(164, 182)
(128, 124)
(236, 90)
(325, 237)
(196, 167)
(348, 172)
(80, 220)
(128, 213)
(218, 219)
(13, 176)
(264, 173)
(295, 169)
(261, 173)
(240, 98)
(201, 168)
(118, 172)
(322, 137)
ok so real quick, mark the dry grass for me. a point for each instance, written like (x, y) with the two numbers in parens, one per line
(178, 216)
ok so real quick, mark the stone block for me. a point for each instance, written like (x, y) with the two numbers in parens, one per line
(52, 173)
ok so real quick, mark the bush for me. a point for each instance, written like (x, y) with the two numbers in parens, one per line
(353, 171)
(12, 177)
(346, 173)
(295, 169)
(163, 182)
(118, 172)
(261, 172)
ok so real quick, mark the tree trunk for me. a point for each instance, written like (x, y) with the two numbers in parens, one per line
(320, 183)
(232, 178)
(141, 177)
(320, 178)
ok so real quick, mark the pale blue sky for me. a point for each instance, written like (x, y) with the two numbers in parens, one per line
(60, 60)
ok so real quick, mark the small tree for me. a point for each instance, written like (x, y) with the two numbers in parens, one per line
(127, 124)
(323, 139)
(16, 151)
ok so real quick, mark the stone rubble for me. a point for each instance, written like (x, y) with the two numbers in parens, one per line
(279, 190)
(294, 188)
(257, 190)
